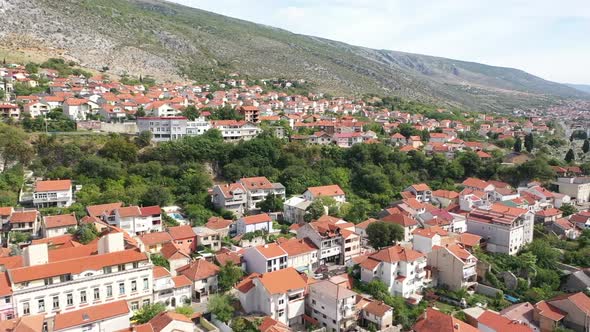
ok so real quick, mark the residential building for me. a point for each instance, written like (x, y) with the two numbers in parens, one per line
(491, 321)
(421, 191)
(302, 254)
(203, 276)
(168, 321)
(433, 320)
(132, 220)
(219, 225)
(333, 191)
(279, 294)
(234, 131)
(58, 225)
(408, 224)
(327, 238)
(9, 111)
(577, 187)
(265, 258)
(375, 313)
(6, 301)
(163, 128)
(25, 222)
(257, 188)
(53, 193)
(505, 229)
(231, 197)
(66, 280)
(243, 196)
(171, 291)
(175, 256)
(444, 198)
(577, 307)
(184, 238)
(112, 316)
(258, 222)
(333, 306)
(294, 209)
(251, 113)
(549, 317)
(401, 269)
(207, 238)
(452, 267)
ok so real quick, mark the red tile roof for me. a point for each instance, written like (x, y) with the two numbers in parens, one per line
(163, 319)
(254, 183)
(181, 232)
(64, 220)
(501, 323)
(256, 219)
(270, 250)
(5, 287)
(90, 314)
(218, 223)
(400, 219)
(150, 210)
(283, 280)
(181, 281)
(53, 185)
(435, 321)
(98, 210)
(160, 272)
(23, 216)
(395, 254)
(549, 311)
(198, 270)
(330, 191)
(129, 211)
(150, 239)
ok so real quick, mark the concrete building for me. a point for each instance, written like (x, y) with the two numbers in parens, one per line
(53, 193)
(258, 222)
(265, 258)
(171, 291)
(302, 254)
(163, 128)
(203, 276)
(279, 294)
(257, 188)
(111, 316)
(58, 225)
(453, 267)
(333, 191)
(294, 209)
(578, 188)
(207, 238)
(333, 306)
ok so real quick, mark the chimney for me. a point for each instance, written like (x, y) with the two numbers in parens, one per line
(112, 242)
(36, 254)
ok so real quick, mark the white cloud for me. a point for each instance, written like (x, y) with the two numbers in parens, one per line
(545, 37)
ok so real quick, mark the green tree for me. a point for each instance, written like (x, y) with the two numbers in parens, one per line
(529, 142)
(314, 211)
(570, 156)
(144, 138)
(159, 260)
(148, 312)
(383, 234)
(229, 275)
(169, 221)
(517, 144)
(568, 209)
(85, 233)
(185, 310)
(156, 195)
(220, 306)
(120, 149)
(270, 203)
(586, 146)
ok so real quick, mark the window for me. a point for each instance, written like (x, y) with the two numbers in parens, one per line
(146, 283)
(135, 265)
(121, 288)
(65, 277)
(281, 301)
(41, 304)
(55, 302)
(107, 269)
(134, 285)
(69, 299)
(83, 296)
(9, 316)
(96, 294)
(48, 281)
(45, 327)
(134, 306)
(26, 308)
(109, 291)
(7, 299)
(146, 302)
(121, 267)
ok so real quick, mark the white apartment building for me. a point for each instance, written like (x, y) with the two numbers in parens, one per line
(401, 269)
(197, 127)
(265, 258)
(233, 131)
(170, 291)
(332, 305)
(231, 197)
(302, 254)
(47, 287)
(257, 188)
(203, 276)
(58, 225)
(454, 267)
(243, 195)
(327, 238)
(163, 128)
(53, 193)
(278, 294)
(207, 238)
(506, 230)
(333, 191)
(135, 220)
(258, 222)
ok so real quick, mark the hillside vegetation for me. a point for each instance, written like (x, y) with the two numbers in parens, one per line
(173, 42)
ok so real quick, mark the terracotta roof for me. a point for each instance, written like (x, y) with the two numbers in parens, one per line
(331, 190)
(365, 224)
(6, 210)
(270, 325)
(295, 247)
(198, 270)
(377, 308)
(501, 323)
(98, 210)
(271, 250)
(254, 183)
(163, 319)
(469, 239)
(435, 321)
(430, 232)
(247, 283)
(225, 257)
(171, 251)
(150, 239)
(64, 220)
(150, 210)
(218, 223)
(256, 219)
(76, 265)
(129, 211)
(445, 194)
(90, 314)
(400, 219)
(396, 253)
(420, 187)
(160, 272)
(181, 281)
(283, 280)
(475, 183)
(579, 299)
(181, 232)
(53, 185)
(549, 212)
(23, 216)
(549, 311)
(5, 287)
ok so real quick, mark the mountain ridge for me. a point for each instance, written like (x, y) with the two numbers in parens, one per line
(174, 42)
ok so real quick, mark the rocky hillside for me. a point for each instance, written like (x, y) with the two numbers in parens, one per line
(172, 42)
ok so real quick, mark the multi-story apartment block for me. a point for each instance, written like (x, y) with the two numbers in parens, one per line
(231, 197)
(233, 131)
(58, 225)
(294, 209)
(333, 306)
(279, 294)
(53, 193)
(453, 267)
(77, 280)
(251, 113)
(265, 258)
(163, 128)
(401, 269)
(421, 191)
(506, 230)
(135, 220)
(327, 238)
(302, 254)
(578, 188)
(257, 188)
(197, 127)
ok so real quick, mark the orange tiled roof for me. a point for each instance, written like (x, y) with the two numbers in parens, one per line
(198, 270)
(330, 191)
(64, 220)
(53, 185)
(90, 314)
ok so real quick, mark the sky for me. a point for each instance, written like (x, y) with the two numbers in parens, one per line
(548, 38)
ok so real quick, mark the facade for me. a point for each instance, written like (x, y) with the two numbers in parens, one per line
(53, 193)
(265, 258)
(333, 306)
(453, 267)
(578, 188)
(326, 238)
(251, 113)
(279, 294)
(207, 238)
(294, 209)
(171, 291)
(401, 269)
(203, 276)
(58, 225)
(301, 254)
(163, 128)
(334, 191)
(257, 188)
(25, 222)
(135, 221)
(231, 197)
(111, 316)
(506, 230)
(376, 313)
(421, 191)
(243, 195)
(79, 280)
